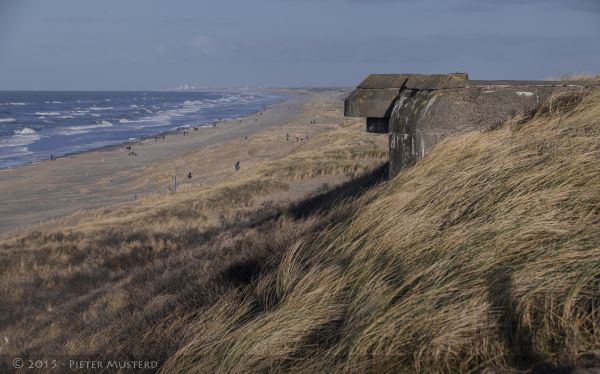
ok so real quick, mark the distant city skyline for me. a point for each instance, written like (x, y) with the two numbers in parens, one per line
(151, 45)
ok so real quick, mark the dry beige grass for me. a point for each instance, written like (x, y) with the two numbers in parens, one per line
(581, 77)
(486, 254)
(124, 281)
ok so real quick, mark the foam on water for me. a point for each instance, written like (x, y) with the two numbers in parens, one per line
(125, 120)
(20, 138)
(44, 114)
(25, 131)
(35, 125)
(101, 108)
(89, 127)
(83, 129)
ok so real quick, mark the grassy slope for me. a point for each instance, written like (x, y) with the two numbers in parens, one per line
(123, 281)
(485, 254)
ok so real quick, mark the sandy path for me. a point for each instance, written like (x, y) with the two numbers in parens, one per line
(41, 191)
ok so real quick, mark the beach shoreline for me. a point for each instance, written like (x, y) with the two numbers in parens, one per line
(46, 190)
(286, 94)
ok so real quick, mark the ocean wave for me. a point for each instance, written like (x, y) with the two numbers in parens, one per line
(193, 103)
(101, 108)
(194, 106)
(53, 102)
(14, 152)
(25, 131)
(90, 127)
(66, 132)
(20, 138)
(228, 99)
(164, 118)
(82, 129)
(125, 120)
(47, 113)
(131, 117)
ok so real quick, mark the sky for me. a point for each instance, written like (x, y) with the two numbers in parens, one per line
(161, 44)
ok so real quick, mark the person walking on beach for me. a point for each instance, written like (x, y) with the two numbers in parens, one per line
(287, 137)
(237, 165)
(189, 175)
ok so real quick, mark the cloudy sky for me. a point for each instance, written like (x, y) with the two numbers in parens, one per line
(158, 44)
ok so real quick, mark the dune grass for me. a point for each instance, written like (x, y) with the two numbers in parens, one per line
(581, 77)
(485, 255)
(123, 281)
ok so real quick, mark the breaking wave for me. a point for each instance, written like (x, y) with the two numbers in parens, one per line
(25, 131)
(47, 113)
(101, 108)
(23, 137)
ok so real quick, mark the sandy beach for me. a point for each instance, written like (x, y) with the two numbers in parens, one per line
(42, 192)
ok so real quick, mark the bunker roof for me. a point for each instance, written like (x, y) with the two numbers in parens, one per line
(376, 94)
(413, 81)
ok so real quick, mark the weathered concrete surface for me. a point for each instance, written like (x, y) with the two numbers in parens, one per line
(376, 94)
(381, 81)
(371, 103)
(421, 118)
(427, 108)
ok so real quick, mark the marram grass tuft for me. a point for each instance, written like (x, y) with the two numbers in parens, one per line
(485, 255)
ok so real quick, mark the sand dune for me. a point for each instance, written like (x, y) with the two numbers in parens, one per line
(49, 190)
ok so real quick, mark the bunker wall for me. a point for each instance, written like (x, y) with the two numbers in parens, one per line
(422, 118)
(420, 110)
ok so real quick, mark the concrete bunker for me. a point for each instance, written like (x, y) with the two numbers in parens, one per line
(420, 110)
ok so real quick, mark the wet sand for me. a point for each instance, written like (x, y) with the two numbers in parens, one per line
(51, 189)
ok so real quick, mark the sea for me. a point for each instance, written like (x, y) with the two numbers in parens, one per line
(39, 124)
